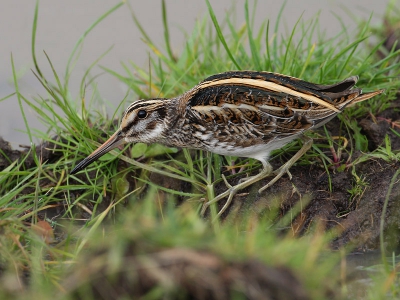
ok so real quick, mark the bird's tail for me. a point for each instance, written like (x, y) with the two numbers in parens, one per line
(363, 97)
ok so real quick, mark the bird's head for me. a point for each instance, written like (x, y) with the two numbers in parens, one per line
(143, 121)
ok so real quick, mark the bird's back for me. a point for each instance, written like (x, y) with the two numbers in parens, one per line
(234, 112)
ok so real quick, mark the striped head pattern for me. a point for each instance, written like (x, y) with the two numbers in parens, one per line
(143, 121)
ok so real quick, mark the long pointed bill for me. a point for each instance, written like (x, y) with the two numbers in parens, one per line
(114, 141)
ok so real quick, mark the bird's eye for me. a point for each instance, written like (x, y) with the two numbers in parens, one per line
(142, 114)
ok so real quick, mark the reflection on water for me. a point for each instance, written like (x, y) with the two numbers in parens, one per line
(61, 25)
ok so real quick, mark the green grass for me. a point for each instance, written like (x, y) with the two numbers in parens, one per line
(114, 210)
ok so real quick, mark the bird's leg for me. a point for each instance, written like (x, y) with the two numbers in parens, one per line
(266, 165)
(266, 171)
(307, 143)
(232, 190)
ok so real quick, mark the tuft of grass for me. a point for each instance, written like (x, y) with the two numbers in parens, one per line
(115, 210)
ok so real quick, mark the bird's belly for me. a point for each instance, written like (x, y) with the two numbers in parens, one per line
(259, 151)
(231, 140)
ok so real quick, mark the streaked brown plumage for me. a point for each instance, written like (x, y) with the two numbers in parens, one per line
(238, 113)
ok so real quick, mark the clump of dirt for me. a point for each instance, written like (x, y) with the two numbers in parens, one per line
(46, 152)
(8, 155)
(180, 273)
(377, 129)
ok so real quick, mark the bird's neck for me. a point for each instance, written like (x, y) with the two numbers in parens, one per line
(173, 122)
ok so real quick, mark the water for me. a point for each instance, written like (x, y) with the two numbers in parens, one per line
(62, 23)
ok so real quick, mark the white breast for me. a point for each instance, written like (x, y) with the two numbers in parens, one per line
(260, 152)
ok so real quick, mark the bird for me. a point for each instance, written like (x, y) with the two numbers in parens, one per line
(236, 113)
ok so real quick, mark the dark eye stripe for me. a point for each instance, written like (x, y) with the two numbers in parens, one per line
(158, 113)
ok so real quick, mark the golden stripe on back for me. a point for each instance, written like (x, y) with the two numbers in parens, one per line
(269, 86)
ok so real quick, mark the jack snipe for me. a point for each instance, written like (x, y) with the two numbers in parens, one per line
(238, 113)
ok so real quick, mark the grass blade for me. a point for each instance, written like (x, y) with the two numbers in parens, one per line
(82, 38)
(166, 31)
(220, 35)
(253, 47)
